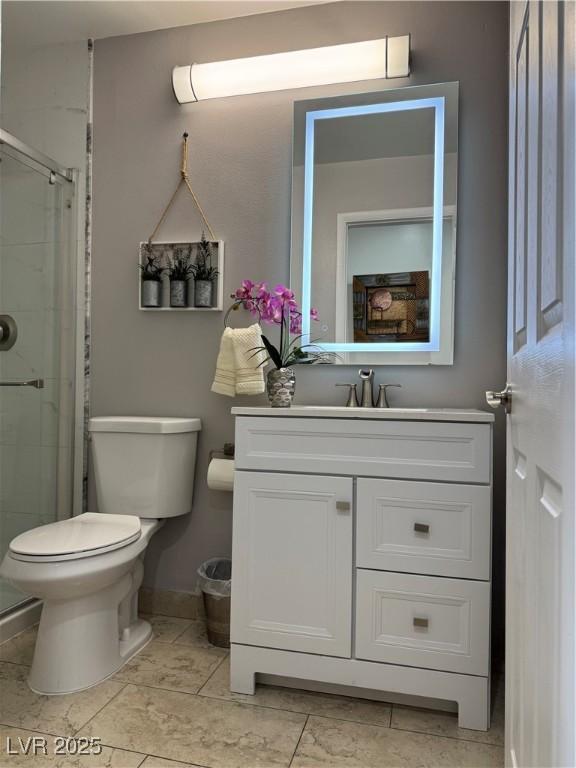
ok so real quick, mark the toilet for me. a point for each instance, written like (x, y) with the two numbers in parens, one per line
(88, 569)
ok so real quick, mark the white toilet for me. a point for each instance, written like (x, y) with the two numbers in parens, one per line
(88, 569)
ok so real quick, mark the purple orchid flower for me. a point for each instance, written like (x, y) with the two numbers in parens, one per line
(279, 307)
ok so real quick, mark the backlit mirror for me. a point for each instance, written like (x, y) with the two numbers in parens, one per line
(374, 223)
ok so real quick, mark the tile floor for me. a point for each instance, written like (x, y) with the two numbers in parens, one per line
(171, 707)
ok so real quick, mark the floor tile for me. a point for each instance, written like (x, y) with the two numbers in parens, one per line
(336, 743)
(107, 758)
(446, 723)
(160, 762)
(175, 667)
(197, 730)
(20, 649)
(294, 700)
(9, 740)
(195, 635)
(62, 715)
(166, 628)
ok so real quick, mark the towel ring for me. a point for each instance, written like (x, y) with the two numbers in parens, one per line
(233, 307)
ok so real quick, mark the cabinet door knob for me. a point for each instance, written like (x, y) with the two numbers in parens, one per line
(421, 528)
(420, 622)
(343, 506)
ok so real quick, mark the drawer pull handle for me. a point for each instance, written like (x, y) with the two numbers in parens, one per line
(420, 622)
(343, 506)
(421, 528)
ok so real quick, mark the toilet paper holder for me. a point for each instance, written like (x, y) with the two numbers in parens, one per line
(227, 452)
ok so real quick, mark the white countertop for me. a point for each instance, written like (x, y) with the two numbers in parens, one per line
(342, 412)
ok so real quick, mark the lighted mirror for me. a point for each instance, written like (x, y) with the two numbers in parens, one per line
(374, 223)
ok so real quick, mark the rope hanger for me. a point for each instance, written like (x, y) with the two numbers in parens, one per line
(186, 181)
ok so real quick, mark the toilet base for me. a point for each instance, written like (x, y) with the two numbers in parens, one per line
(144, 637)
(81, 641)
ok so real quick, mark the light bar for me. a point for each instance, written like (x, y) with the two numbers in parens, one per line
(385, 58)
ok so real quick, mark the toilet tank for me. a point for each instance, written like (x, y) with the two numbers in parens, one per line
(144, 466)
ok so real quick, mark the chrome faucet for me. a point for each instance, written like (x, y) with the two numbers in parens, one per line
(383, 395)
(352, 401)
(367, 393)
(367, 396)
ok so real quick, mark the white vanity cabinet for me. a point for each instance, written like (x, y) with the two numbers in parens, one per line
(362, 552)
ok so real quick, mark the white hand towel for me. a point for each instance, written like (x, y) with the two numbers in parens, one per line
(238, 369)
(225, 376)
(249, 371)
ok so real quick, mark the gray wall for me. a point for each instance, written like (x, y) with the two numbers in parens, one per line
(240, 153)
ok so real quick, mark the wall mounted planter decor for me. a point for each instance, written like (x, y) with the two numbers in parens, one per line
(181, 275)
(186, 294)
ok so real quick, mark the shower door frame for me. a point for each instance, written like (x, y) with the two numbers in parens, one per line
(8, 140)
(56, 173)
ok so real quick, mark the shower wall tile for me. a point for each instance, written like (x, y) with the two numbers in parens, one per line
(45, 96)
(27, 277)
(27, 214)
(37, 417)
(28, 477)
(36, 353)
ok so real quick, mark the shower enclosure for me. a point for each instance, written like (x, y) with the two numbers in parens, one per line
(38, 317)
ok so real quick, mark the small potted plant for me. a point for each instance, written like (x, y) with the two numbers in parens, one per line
(279, 307)
(204, 274)
(179, 270)
(151, 272)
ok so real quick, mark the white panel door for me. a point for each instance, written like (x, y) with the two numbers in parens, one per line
(540, 670)
(292, 562)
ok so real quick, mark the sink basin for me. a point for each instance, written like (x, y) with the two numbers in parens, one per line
(363, 410)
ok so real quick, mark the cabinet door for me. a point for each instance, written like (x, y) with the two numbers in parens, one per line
(292, 562)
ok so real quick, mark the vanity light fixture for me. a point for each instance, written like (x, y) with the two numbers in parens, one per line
(384, 58)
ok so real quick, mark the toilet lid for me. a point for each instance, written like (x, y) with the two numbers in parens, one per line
(81, 536)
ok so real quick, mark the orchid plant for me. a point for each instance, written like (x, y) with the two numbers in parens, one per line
(279, 307)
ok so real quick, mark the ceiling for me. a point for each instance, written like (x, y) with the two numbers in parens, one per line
(45, 22)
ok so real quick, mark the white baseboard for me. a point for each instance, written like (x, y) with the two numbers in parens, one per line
(20, 619)
(166, 602)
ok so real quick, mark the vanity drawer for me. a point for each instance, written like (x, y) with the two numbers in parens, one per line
(422, 621)
(439, 529)
(445, 451)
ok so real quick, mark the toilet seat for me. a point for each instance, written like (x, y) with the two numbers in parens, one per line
(78, 537)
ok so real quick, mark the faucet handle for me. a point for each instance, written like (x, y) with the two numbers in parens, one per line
(352, 396)
(383, 397)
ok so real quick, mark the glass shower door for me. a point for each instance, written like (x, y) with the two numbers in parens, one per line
(37, 346)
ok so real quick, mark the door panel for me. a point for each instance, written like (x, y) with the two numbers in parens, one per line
(540, 681)
(292, 562)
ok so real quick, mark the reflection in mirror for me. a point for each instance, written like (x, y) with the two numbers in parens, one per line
(374, 222)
